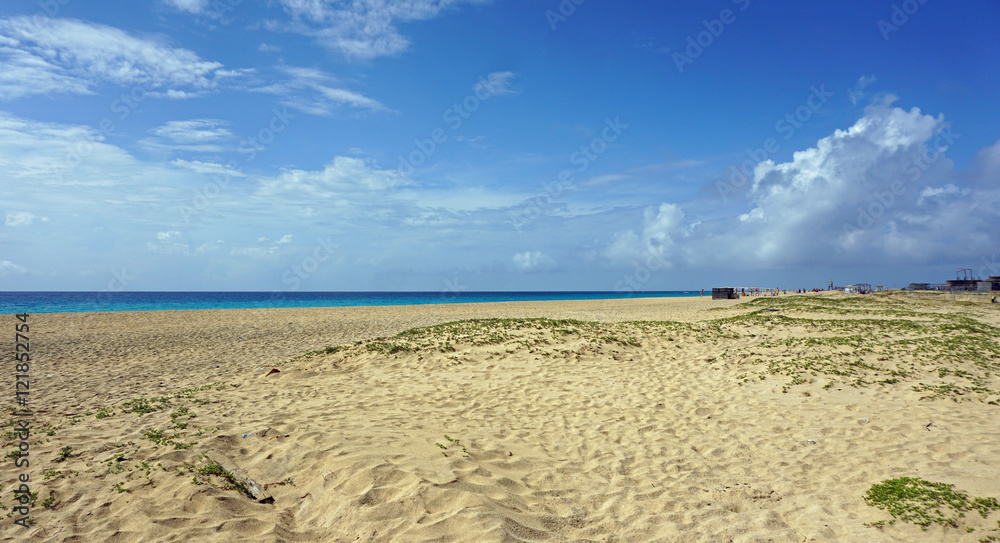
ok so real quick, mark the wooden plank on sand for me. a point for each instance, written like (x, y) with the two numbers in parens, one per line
(240, 476)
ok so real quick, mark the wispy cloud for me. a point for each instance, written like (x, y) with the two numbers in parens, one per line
(210, 168)
(195, 7)
(316, 92)
(193, 131)
(173, 242)
(361, 28)
(68, 56)
(195, 135)
(858, 92)
(50, 153)
(8, 267)
(495, 84)
(533, 262)
(20, 218)
(263, 248)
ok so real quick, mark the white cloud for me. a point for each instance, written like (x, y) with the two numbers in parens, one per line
(8, 267)
(360, 29)
(268, 48)
(173, 242)
(533, 262)
(58, 154)
(72, 56)
(20, 218)
(342, 176)
(196, 135)
(193, 131)
(210, 168)
(495, 84)
(252, 252)
(879, 191)
(931, 193)
(174, 94)
(195, 7)
(312, 91)
(858, 92)
(264, 248)
(658, 238)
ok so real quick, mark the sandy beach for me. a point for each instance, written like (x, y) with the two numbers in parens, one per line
(655, 419)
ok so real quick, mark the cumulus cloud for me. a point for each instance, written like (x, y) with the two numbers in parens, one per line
(343, 176)
(533, 262)
(44, 55)
(881, 190)
(662, 229)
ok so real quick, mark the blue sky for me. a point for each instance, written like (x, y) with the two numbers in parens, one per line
(494, 145)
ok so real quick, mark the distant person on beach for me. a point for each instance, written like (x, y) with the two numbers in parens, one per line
(994, 299)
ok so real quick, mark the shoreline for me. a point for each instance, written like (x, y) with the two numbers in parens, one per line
(416, 298)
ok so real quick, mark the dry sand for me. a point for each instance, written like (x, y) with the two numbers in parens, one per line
(509, 430)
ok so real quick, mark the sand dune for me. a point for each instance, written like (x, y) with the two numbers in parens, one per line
(724, 424)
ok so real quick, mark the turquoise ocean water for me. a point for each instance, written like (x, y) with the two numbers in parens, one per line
(76, 302)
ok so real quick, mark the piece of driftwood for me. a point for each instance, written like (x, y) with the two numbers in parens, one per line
(240, 476)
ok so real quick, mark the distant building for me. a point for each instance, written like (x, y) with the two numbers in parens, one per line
(727, 293)
(860, 288)
(919, 286)
(963, 285)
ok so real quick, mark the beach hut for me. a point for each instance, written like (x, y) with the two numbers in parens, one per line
(726, 293)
